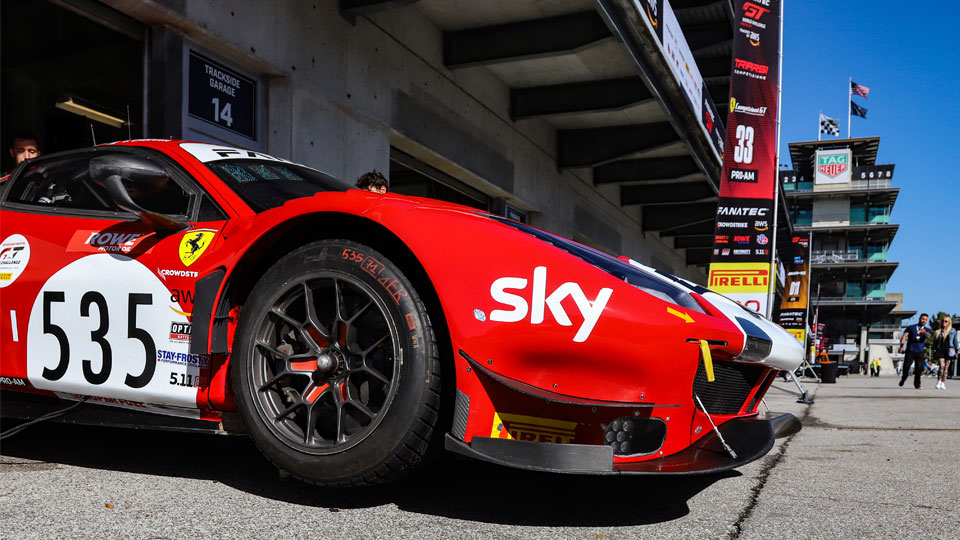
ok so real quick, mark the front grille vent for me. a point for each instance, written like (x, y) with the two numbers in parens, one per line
(733, 384)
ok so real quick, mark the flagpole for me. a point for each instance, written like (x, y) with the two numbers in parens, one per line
(772, 290)
(849, 95)
(819, 127)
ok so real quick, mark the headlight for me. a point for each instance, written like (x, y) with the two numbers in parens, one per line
(757, 345)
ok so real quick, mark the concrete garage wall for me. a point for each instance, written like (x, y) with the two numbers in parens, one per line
(339, 95)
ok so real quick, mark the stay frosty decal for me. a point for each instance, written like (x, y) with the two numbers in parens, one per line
(101, 326)
(14, 256)
(539, 299)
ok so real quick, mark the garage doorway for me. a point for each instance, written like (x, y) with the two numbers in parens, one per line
(66, 66)
(410, 176)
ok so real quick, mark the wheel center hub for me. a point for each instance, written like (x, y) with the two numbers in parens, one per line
(329, 362)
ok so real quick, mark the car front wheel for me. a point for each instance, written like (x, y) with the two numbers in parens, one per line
(335, 367)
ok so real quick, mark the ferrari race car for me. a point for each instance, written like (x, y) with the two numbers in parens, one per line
(352, 335)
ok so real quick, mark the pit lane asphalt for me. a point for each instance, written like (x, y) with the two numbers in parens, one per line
(865, 465)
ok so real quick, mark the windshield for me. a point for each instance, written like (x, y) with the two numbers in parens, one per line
(265, 184)
(637, 277)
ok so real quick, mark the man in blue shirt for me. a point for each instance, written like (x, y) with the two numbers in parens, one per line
(915, 336)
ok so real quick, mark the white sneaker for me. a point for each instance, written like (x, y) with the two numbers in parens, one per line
(940, 385)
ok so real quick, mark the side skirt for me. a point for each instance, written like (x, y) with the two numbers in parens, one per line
(21, 406)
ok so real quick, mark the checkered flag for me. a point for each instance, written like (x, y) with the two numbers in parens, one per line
(829, 125)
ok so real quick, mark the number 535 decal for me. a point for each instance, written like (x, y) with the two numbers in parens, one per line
(97, 336)
(100, 326)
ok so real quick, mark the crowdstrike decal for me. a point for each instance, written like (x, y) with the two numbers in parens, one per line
(590, 310)
(164, 272)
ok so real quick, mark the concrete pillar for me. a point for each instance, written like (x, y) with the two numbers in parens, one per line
(863, 343)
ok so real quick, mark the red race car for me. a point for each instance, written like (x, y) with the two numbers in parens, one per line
(352, 335)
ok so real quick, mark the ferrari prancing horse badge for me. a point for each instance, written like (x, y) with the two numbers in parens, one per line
(194, 243)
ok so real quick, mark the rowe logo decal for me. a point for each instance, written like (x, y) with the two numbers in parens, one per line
(832, 165)
(590, 311)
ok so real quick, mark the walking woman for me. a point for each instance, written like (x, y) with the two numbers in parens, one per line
(945, 347)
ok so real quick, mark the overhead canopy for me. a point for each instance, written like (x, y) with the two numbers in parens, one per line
(591, 70)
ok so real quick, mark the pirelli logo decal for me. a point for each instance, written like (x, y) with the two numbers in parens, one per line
(532, 428)
(739, 277)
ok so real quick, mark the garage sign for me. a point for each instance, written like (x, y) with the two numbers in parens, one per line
(222, 97)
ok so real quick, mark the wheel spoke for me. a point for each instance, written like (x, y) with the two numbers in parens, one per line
(376, 344)
(286, 411)
(376, 374)
(337, 304)
(362, 408)
(359, 312)
(297, 325)
(340, 437)
(272, 381)
(312, 317)
(311, 424)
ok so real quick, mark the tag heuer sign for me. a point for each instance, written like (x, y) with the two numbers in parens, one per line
(832, 165)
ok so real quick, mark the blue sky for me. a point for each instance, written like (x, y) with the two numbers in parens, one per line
(908, 53)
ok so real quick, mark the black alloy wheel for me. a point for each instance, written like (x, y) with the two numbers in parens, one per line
(335, 366)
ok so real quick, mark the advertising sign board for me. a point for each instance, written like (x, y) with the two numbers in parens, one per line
(748, 184)
(662, 22)
(221, 96)
(796, 289)
(833, 167)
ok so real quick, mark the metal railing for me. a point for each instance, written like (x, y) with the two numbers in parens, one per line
(832, 220)
(839, 256)
(875, 183)
(833, 256)
(853, 299)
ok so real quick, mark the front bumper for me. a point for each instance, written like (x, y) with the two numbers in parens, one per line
(751, 438)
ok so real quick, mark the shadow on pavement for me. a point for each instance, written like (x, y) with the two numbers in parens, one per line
(452, 487)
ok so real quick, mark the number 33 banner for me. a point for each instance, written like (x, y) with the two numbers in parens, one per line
(748, 184)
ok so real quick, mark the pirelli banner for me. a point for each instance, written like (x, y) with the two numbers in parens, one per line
(796, 287)
(742, 262)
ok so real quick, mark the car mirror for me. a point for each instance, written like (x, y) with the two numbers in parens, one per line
(125, 176)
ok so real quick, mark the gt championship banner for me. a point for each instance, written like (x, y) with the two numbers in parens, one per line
(793, 308)
(742, 262)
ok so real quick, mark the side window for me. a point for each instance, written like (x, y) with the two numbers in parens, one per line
(63, 182)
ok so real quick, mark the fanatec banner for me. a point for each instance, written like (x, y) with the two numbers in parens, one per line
(744, 240)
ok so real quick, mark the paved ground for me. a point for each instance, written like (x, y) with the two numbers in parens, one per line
(865, 465)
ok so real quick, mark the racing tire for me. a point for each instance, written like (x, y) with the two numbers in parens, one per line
(335, 367)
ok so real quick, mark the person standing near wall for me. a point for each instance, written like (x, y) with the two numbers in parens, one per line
(914, 338)
(24, 145)
(373, 181)
(945, 347)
